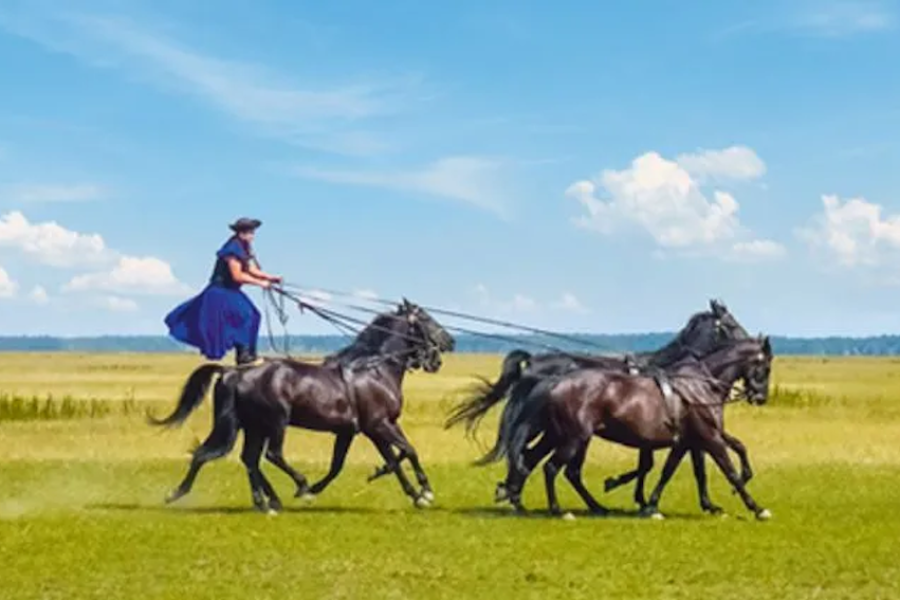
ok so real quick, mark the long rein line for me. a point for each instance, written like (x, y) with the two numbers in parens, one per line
(457, 314)
(455, 328)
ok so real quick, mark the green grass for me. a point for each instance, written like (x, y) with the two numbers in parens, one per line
(81, 514)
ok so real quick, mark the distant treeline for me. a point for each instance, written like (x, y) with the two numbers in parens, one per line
(595, 343)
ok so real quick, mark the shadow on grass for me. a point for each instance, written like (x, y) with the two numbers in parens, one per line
(498, 512)
(229, 510)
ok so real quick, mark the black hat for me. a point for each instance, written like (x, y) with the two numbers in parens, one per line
(245, 224)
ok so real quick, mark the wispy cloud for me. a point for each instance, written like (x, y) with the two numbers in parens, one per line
(80, 192)
(327, 118)
(820, 18)
(116, 304)
(8, 287)
(843, 18)
(472, 180)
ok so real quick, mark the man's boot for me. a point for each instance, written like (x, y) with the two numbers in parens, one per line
(245, 357)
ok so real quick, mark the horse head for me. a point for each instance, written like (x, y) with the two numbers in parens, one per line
(706, 331)
(746, 360)
(759, 370)
(429, 337)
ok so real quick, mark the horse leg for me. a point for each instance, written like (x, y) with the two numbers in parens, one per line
(573, 474)
(407, 451)
(671, 465)
(217, 444)
(739, 449)
(645, 465)
(275, 455)
(383, 445)
(612, 483)
(717, 448)
(699, 463)
(250, 456)
(341, 447)
(519, 468)
(563, 455)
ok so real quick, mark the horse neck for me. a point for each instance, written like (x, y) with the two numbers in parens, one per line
(726, 365)
(369, 342)
(396, 349)
(675, 349)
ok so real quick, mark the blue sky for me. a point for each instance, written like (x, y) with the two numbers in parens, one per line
(591, 166)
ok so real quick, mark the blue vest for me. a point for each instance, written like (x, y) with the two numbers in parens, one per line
(221, 274)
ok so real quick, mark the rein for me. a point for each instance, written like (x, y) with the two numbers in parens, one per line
(339, 321)
(465, 316)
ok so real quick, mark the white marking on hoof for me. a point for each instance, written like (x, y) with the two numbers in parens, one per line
(568, 517)
(764, 515)
(428, 495)
(422, 502)
(271, 513)
(308, 498)
(658, 516)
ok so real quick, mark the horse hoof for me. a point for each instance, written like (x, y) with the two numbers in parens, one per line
(568, 517)
(428, 495)
(271, 512)
(173, 496)
(657, 516)
(609, 485)
(307, 497)
(764, 515)
(501, 494)
(422, 502)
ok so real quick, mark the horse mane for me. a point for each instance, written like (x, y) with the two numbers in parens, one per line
(675, 348)
(368, 342)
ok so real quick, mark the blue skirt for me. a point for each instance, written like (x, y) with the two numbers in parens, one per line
(215, 321)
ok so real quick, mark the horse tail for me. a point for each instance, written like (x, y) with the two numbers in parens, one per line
(472, 410)
(226, 425)
(192, 395)
(516, 427)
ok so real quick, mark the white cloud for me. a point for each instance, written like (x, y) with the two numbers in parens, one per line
(569, 302)
(523, 303)
(756, 251)
(842, 18)
(853, 233)
(56, 193)
(39, 296)
(131, 275)
(117, 304)
(366, 294)
(736, 162)
(8, 287)
(50, 243)
(53, 245)
(664, 199)
(326, 118)
(519, 303)
(317, 297)
(469, 179)
(820, 18)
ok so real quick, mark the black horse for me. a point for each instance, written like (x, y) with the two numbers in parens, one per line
(704, 332)
(357, 390)
(634, 411)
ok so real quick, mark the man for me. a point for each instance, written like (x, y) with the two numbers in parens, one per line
(222, 317)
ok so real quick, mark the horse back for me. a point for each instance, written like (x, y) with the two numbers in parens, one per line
(305, 394)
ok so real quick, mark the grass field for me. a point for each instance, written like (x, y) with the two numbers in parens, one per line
(81, 512)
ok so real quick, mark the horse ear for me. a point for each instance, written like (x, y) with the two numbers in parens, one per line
(767, 346)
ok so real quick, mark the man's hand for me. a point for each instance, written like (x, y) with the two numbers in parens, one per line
(275, 278)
